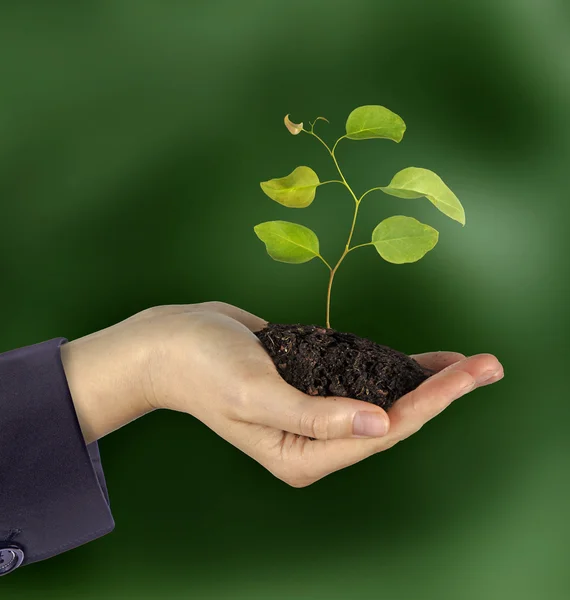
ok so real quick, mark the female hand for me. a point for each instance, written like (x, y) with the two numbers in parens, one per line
(204, 359)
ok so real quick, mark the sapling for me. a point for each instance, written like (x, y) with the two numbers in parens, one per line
(322, 361)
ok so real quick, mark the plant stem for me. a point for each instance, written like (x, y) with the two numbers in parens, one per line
(326, 263)
(336, 143)
(331, 181)
(331, 152)
(347, 249)
(357, 201)
(356, 207)
(371, 190)
(333, 271)
(360, 246)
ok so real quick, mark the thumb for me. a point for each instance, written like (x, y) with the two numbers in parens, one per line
(319, 417)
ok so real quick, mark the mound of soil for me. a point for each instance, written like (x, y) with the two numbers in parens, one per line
(326, 362)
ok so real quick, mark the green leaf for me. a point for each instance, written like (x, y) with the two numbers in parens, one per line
(415, 183)
(403, 239)
(368, 122)
(296, 190)
(288, 242)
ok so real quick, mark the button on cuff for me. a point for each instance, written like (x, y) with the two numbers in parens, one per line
(11, 557)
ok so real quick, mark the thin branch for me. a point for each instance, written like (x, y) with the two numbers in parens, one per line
(326, 263)
(336, 143)
(371, 190)
(332, 181)
(361, 246)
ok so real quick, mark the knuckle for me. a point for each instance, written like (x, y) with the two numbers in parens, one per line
(316, 425)
(214, 305)
(238, 404)
(295, 474)
(417, 410)
(151, 311)
(297, 480)
(299, 483)
(415, 403)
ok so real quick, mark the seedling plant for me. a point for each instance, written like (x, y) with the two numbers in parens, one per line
(398, 239)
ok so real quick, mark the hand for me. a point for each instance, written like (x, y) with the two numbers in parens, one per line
(204, 359)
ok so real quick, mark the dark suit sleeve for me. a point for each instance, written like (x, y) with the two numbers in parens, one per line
(53, 495)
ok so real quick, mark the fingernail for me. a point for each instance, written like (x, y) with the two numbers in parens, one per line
(487, 376)
(493, 377)
(369, 424)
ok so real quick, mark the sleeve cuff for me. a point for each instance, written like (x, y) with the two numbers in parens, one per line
(53, 495)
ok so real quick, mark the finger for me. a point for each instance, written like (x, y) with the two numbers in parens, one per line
(497, 377)
(319, 458)
(327, 418)
(304, 461)
(297, 460)
(436, 361)
(279, 405)
(415, 409)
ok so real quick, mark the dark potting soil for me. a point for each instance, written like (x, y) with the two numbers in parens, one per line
(325, 362)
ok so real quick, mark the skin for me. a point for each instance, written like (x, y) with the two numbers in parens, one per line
(204, 359)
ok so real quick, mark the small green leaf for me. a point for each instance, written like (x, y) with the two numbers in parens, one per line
(415, 183)
(294, 128)
(288, 242)
(296, 190)
(403, 239)
(368, 122)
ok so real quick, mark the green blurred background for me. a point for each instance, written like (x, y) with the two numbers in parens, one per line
(133, 137)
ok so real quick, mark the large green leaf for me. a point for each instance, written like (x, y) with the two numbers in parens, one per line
(415, 183)
(403, 239)
(296, 190)
(373, 121)
(288, 242)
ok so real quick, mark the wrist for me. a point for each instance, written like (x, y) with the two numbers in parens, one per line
(178, 362)
(106, 377)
